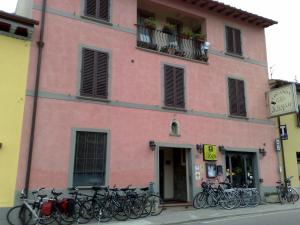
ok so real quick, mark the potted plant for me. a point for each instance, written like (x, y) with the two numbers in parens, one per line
(187, 34)
(169, 28)
(200, 36)
(150, 23)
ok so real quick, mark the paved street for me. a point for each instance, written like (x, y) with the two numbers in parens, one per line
(291, 217)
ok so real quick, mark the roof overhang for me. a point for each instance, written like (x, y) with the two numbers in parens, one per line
(232, 12)
(276, 83)
(16, 26)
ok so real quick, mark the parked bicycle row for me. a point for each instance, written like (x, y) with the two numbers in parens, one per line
(226, 196)
(102, 204)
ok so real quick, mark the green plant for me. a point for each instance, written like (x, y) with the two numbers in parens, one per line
(187, 33)
(169, 28)
(150, 23)
(200, 36)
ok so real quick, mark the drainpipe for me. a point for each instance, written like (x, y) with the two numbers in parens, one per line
(40, 44)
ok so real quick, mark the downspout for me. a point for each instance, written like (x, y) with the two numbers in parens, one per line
(40, 45)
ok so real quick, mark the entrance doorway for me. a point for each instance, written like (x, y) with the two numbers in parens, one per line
(241, 169)
(174, 174)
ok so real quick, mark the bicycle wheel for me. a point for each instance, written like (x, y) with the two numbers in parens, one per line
(102, 211)
(245, 199)
(200, 201)
(156, 203)
(120, 209)
(281, 195)
(136, 208)
(20, 215)
(295, 194)
(255, 199)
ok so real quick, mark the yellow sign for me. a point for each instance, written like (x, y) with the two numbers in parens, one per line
(210, 152)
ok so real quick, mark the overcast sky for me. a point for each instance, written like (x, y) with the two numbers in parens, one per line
(282, 39)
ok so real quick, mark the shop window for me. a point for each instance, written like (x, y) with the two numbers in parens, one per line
(298, 163)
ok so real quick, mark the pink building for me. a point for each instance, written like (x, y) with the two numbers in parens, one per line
(129, 94)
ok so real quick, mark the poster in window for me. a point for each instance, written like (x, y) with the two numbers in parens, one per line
(210, 152)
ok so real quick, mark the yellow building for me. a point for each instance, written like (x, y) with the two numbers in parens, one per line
(15, 41)
(291, 146)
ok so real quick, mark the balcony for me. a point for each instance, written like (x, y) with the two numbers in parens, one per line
(181, 45)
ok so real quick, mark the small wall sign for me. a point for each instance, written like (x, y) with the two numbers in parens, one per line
(283, 132)
(277, 144)
(210, 152)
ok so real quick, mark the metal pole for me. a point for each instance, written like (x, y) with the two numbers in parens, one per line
(40, 44)
(282, 149)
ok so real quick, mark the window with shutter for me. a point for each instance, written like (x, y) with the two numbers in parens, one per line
(174, 86)
(98, 9)
(90, 159)
(233, 41)
(237, 103)
(94, 74)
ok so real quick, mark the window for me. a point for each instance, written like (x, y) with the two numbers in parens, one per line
(98, 9)
(174, 86)
(90, 158)
(237, 104)
(94, 74)
(233, 41)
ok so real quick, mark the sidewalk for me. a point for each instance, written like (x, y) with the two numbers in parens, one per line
(180, 215)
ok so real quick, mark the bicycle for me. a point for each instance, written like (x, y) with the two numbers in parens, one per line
(29, 212)
(285, 192)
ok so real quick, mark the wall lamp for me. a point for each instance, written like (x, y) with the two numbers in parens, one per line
(152, 145)
(222, 149)
(199, 148)
(262, 151)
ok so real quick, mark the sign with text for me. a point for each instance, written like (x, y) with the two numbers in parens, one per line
(283, 100)
(210, 152)
(283, 132)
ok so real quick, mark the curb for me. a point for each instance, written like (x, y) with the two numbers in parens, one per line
(231, 215)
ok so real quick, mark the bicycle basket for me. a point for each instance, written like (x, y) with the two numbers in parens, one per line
(46, 208)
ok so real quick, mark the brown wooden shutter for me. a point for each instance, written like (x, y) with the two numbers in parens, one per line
(233, 102)
(90, 8)
(101, 88)
(99, 9)
(169, 85)
(229, 39)
(179, 92)
(237, 39)
(174, 86)
(241, 98)
(87, 72)
(94, 74)
(104, 9)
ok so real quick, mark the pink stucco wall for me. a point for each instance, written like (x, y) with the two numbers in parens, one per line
(131, 161)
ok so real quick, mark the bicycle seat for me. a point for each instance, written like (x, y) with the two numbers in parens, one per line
(114, 189)
(278, 182)
(56, 194)
(42, 196)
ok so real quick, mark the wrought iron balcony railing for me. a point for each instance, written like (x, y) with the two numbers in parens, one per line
(172, 44)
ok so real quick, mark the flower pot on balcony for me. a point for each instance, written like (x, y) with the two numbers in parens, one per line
(200, 37)
(150, 23)
(186, 34)
(169, 28)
